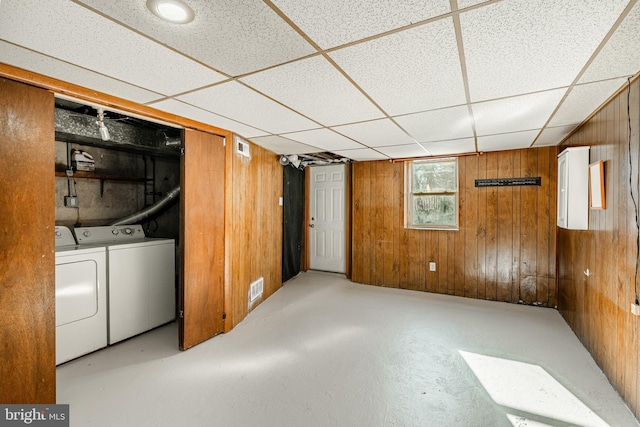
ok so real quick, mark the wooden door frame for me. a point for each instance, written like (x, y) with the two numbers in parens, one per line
(347, 223)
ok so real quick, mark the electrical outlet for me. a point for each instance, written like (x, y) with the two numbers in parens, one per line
(635, 309)
(71, 202)
(432, 266)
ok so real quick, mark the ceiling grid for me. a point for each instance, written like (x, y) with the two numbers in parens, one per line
(364, 79)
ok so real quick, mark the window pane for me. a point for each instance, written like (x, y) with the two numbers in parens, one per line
(434, 177)
(434, 210)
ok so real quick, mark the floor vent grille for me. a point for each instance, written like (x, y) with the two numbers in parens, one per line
(255, 289)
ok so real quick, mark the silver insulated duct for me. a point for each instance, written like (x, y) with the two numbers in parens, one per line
(150, 210)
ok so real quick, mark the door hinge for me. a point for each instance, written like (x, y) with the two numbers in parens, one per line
(224, 142)
(224, 316)
(181, 314)
(182, 151)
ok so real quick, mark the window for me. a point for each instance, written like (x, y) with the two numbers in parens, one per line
(431, 194)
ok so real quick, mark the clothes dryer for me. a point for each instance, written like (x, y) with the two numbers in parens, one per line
(81, 297)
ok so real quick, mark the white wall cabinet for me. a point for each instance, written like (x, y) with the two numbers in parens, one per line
(573, 188)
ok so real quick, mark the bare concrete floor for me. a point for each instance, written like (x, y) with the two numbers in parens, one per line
(326, 352)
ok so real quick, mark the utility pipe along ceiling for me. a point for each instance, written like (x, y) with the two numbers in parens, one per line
(364, 80)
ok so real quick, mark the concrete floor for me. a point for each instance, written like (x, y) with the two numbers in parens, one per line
(326, 352)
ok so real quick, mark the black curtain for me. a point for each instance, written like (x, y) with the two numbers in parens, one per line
(292, 221)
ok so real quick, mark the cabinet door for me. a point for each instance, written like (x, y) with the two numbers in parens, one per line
(201, 293)
(27, 287)
(562, 191)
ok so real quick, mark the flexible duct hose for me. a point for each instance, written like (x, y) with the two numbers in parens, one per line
(147, 212)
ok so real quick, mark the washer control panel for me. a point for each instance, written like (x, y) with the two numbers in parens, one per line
(109, 233)
(64, 236)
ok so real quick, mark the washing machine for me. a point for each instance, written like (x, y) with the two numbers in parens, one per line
(141, 288)
(81, 297)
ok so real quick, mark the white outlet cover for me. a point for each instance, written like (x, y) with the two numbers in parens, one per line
(432, 266)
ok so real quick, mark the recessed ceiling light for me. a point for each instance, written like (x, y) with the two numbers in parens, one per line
(175, 11)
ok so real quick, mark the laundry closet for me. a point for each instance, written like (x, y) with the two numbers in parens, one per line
(223, 197)
(117, 217)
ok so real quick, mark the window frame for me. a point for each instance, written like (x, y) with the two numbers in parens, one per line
(409, 195)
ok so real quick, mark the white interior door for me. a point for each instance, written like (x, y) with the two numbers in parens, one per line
(327, 218)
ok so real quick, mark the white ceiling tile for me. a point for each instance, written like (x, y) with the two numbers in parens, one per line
(356, 19)
(507, 141)
(553, 136)
(458, 146)
(517, 113)
(437, 125)
(185, 110)
(326, 139)
(233, 36)
(522, 46)
(584, 100)
(280, 145)
(616, 59)
(70, 32)
(36, 62)
(376, 133)
(316, 89)
(236, 101)
(414, 70)
(363, 154)
(403, 151)
(462, 4)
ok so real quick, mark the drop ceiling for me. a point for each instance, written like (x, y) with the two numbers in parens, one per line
(367, 80)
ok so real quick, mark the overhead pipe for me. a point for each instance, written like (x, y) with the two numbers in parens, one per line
(148, 211)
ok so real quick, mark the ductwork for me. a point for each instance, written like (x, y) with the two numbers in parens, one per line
(147, 212)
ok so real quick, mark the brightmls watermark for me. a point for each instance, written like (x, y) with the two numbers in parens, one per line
(34, 415)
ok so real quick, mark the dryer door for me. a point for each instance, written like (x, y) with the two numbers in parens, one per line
(76, 291)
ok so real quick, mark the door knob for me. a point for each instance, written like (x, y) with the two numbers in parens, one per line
(311, 225)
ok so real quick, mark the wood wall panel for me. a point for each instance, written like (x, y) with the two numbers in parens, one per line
(494, 255)
(27, 284)
(481, 230)
(470, 200)
(597, 307)
(491, 227)
(254, 228)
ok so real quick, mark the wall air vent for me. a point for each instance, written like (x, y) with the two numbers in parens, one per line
(242, 148)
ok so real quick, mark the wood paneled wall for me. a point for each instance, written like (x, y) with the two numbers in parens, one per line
(504, 249)
(254, 228)
(27, 258)
(597, 307)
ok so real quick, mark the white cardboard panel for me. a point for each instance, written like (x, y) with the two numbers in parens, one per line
(326, 139)
(281, 145)
(236, 101)
(316, 89)
(376, 133)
